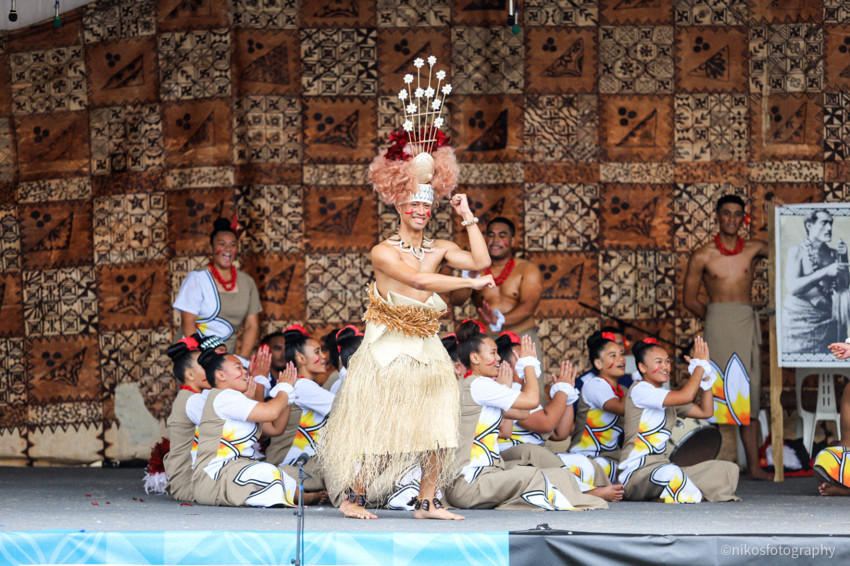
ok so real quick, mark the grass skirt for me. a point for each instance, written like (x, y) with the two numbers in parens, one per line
(398, 403)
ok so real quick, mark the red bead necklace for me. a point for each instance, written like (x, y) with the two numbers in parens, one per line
(618, 391)
(504, 274)
(726, 251)
(226, 285)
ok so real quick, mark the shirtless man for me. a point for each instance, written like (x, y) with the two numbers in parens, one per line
(511, 304)
(725, 268)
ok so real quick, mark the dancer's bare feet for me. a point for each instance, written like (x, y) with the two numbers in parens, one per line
(609, 492)
(315, 497)
(758, 474)
(354, 511)
(441, 513)
(827, 488)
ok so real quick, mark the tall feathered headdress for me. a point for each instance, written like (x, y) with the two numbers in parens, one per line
(418, 162)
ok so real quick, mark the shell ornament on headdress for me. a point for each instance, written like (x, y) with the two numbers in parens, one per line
(418, 162)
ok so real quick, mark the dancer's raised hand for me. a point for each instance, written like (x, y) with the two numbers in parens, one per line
(288, 375)
(527, 347)
(567, 374)
(506, 374)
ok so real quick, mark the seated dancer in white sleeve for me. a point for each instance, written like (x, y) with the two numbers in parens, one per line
(651, 411)
(485, 480)
(522, 441)
(226, 472)
(601, 406)
(832, 464)
(314, 401)
(182, 432)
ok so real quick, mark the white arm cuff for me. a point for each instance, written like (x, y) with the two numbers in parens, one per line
(500, 320)
(572, 394)
(527, 361)
(696, 363)
(709, 376)
(286, 388)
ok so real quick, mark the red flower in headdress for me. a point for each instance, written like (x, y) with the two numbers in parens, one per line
(650, 341)
(299, 328)
(513, 336)
(451, 335)
(478, 322)
(400, 138)
(190, 341)
(234, 224)
(609, 336)
(748, 218)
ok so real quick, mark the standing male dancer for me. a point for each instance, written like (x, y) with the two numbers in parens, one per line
(725, 267)
(400, 398)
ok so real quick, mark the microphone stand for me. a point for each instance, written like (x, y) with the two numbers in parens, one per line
(299, 512)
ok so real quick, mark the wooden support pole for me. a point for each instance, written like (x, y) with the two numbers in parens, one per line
(777, 424)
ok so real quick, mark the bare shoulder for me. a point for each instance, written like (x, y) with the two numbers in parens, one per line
(381, 249)
(702, 254)
(524, 266)
(756, 246)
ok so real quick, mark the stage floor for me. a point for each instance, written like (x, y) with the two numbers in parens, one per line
(99, 499)
(103, 516)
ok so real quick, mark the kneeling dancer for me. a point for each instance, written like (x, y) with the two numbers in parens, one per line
(651, 411)
(226, 472)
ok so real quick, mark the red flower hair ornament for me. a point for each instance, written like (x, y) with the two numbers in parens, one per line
(515, 339)
(478, 323)
(299, 328)
(190, 342)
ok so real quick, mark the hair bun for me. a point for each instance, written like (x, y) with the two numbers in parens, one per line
(467, 329)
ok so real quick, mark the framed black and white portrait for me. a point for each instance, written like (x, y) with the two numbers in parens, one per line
(812, 283)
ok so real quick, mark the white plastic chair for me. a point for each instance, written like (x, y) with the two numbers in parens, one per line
(826, 408)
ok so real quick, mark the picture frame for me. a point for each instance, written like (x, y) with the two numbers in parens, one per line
(812, 283)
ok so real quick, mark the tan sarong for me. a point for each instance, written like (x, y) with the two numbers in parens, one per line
(399, 400)
(178, 461)
(733, 328)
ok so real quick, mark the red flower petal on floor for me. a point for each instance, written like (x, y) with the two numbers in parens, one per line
(95, 503)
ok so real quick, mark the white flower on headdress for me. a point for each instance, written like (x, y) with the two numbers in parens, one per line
(436, 104)
(429, 92)
(441, 75)
(408, 125)
(418, 93)
(408, 79)
(438, 123)
(402, 94)
(432, 60)
(411, 108)
(447, 89)
(418, 62)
